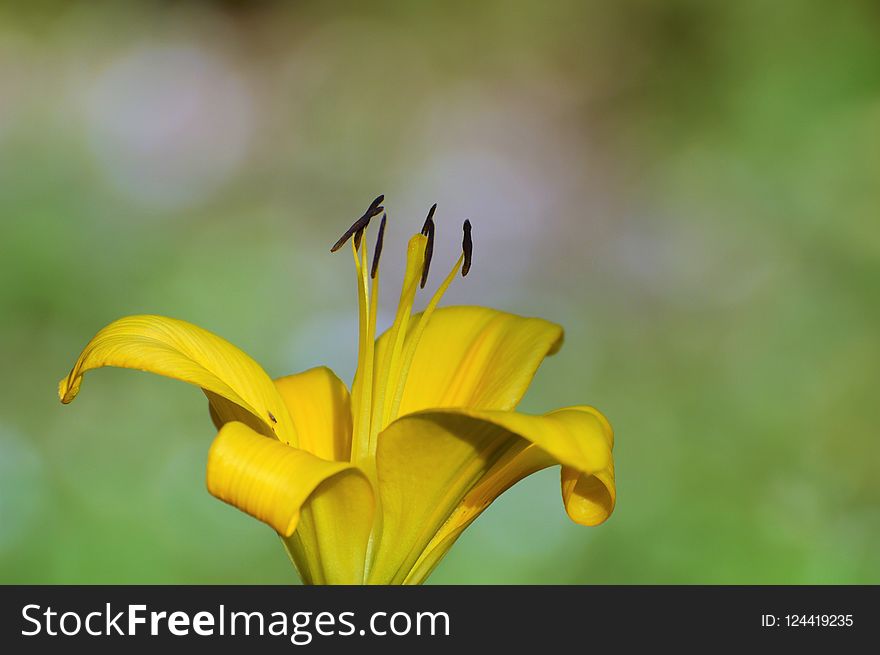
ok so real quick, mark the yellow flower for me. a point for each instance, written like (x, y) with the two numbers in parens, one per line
(374, 486)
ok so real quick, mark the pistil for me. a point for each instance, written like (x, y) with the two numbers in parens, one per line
(389, 368)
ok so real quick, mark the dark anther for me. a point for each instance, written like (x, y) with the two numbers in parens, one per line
(467, 245)
(378, 252)
(428, 230)
(357, 229)
(272, 417)
(430, 219)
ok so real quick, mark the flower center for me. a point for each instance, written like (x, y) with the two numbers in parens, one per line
(383, 367)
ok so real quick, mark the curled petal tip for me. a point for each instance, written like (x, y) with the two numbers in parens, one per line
(66, 391)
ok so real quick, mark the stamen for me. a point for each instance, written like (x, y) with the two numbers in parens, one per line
(374, 269)
(467, 246)
(360, 225)
(463, 264)
(428, 231)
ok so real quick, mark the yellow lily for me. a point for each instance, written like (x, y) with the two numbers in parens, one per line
(374, 486)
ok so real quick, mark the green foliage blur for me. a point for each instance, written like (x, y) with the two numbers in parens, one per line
(690, 188)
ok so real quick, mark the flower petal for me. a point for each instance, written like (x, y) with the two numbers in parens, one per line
(328, 504)
(475, 357)
(236, 386)
(507, 471)
(590, 499)
(438, 469)
(320, 406)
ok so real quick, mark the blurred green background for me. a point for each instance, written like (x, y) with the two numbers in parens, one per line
(690, 188)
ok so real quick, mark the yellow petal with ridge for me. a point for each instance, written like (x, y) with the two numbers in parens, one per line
(320, 406)
(237, 387)
(438, 469)
(474, 357)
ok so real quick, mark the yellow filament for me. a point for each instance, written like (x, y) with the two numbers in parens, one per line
(417, 335)
(366, 412)
(378, 387)
(389, 368)
(362, 386)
